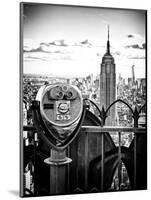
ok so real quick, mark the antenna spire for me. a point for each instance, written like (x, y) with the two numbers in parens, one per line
(108, 31)
(108, 41)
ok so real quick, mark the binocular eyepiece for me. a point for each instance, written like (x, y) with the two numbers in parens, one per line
(64, 92)
(64, 95)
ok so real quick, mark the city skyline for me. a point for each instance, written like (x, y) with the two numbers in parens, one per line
(71, 41)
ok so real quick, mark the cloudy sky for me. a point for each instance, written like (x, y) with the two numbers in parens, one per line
(70, 41)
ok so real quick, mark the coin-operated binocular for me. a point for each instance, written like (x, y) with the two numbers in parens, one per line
(58, 114)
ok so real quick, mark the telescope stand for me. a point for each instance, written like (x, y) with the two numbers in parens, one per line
(58, 171)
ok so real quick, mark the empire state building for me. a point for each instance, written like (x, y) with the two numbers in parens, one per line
(108, 84)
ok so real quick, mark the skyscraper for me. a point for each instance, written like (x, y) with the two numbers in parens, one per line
(133, 75)
(108, 84)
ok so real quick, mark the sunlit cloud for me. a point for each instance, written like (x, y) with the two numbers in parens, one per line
(133, 39)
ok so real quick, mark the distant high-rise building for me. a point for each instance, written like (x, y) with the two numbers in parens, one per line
(108, 84)
(133, 75)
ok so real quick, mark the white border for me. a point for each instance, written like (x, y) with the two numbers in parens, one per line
(9, 99)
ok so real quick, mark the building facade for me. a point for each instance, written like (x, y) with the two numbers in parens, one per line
(108, 84)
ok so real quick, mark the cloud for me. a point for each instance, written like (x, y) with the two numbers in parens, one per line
(136, 53)
(57, 50)
(136, 46)
(130, 36)
(136, 57)
(99, 54)
(144, 45)
(65, 57)
(56, 43)
(116, 53)
(39, 49)
(86, 43)
(45, 44)
(134, 35)
(30, 43)
(32, 58)
(134, 40)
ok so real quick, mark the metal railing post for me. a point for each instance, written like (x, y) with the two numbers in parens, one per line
(136, 117)
(86, 162)
(119, 161)
(103, 118)
(102, 162)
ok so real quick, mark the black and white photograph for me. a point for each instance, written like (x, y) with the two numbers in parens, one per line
(83, 99)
